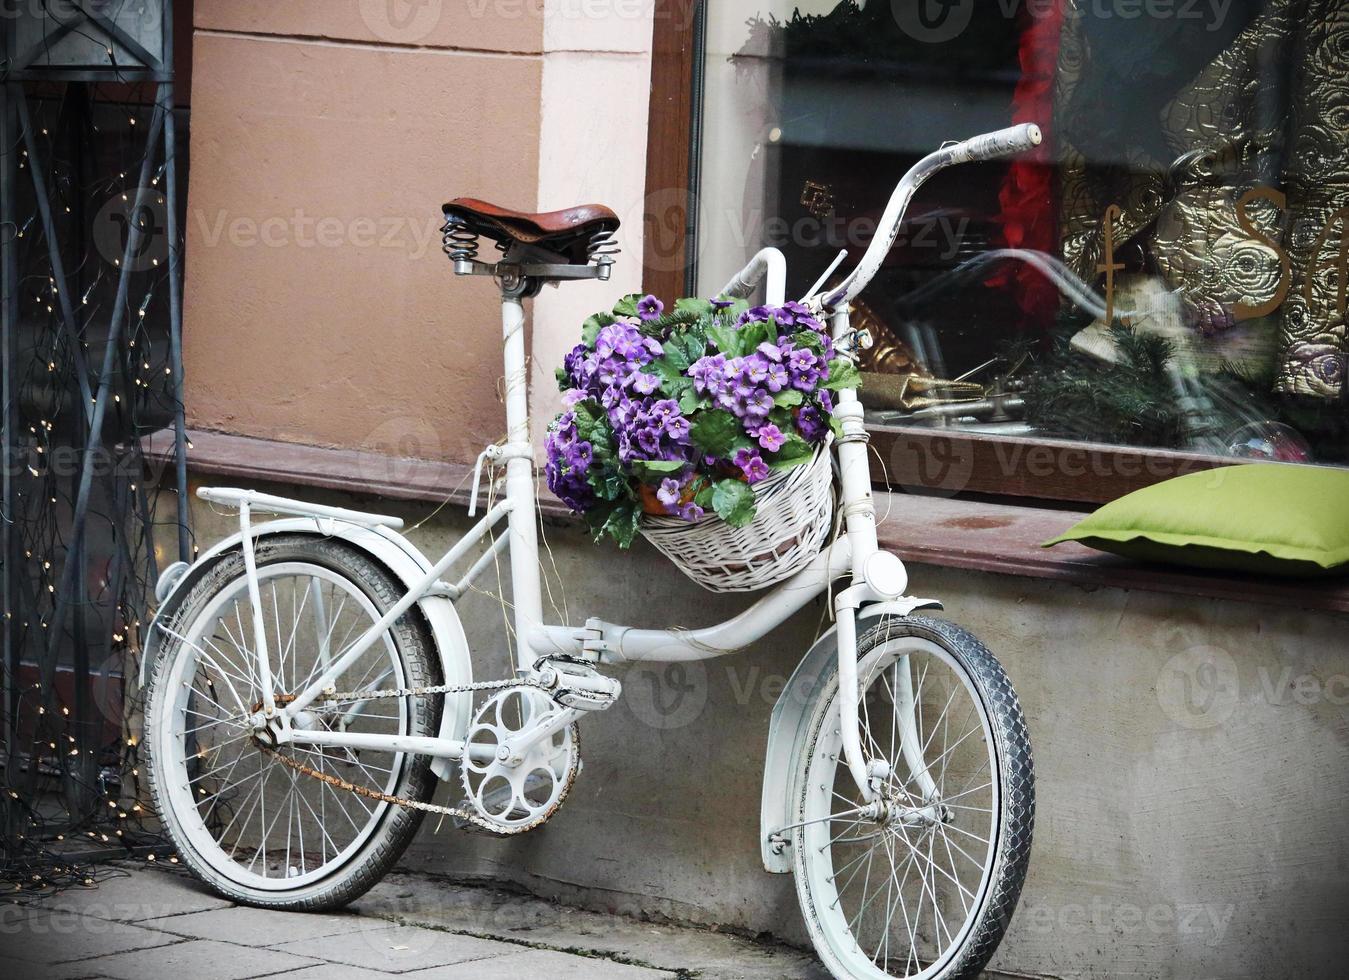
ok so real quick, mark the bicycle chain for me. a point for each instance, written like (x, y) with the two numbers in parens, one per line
(447, 811)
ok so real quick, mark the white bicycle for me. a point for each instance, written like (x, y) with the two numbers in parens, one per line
(309, 680)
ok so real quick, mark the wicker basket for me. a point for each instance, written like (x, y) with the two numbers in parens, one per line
(793, 515)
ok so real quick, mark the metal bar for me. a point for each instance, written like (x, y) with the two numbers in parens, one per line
(175, 295)
(487, 557)
(670, 646)
(9, 325)
(526, 587)
(414, 595)
(269, 504)
(255, 602)
(57, 626)
(44, 207)
(441, 748)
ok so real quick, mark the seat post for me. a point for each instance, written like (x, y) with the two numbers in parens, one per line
(526, 589)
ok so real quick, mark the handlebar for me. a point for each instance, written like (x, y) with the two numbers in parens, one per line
(989, 146)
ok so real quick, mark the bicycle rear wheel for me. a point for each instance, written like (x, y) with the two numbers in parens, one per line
(251, 827)
(922, 884)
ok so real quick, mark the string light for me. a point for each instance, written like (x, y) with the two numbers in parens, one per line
(63, 751)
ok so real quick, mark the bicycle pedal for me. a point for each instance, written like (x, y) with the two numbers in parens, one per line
(576, 684)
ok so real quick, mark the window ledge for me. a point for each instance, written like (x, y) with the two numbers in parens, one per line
(985, 537)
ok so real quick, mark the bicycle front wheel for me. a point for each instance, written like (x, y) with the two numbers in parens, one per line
(921, 883)
(254, 828)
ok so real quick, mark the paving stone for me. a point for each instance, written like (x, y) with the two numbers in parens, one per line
(503, 914)
(540, 964)
(51, 936)
(401, 949)
(135, 897)
(262, 927)
(200, 959)
(339, 971)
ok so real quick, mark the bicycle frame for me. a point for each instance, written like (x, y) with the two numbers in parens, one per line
(874, 576)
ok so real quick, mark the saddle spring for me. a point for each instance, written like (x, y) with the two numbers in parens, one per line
(459, 241)
(602, 247)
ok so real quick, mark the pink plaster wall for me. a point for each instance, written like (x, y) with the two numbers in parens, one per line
(481, 25)
(318, 305)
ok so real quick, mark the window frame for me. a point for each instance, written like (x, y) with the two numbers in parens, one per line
(906, 457)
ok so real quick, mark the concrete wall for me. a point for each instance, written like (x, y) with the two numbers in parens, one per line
(326, 134)
(1190, 758)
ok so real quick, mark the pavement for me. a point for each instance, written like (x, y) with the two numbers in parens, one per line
(153, 922)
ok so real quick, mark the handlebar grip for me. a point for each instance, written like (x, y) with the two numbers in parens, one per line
(1003, 143)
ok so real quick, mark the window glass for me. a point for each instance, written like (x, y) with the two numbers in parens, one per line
(1169, 270)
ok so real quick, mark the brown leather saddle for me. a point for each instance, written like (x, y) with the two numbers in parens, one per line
(567, 232)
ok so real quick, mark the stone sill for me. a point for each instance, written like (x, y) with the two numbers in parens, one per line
(950, 533)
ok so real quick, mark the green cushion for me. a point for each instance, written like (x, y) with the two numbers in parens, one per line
(1270, 518)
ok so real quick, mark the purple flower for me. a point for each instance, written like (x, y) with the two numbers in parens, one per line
(722, 304)
(826, 400)
(804, 368)
(709, 374)
(751, 464)
(811, 424)
(757, 406)
(755, 314)
(677, 428)
(798, 314)
(691, 512)
(668, 494)
(770, 437)
(649, 308)
(643, 383)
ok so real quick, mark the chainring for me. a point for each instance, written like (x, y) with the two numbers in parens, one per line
(511, 795)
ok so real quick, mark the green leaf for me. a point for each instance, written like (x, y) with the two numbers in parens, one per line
(715, 432)
(843, 373)
(591, 328)
(793, 452)
(627, 306)
(690, 401)
(685, 347)
(703, 498)
(698, 307)
(787, 398)
(734, 502)
(726, 338)
(787, 464)
(811, 339)
(647, 469)
(622, 524)
(756, 333)
(673, 381)
(836, 427)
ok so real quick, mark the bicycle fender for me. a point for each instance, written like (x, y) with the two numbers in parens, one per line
(396, 554)
(788, 726)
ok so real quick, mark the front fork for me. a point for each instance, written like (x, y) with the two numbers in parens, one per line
(877, 576)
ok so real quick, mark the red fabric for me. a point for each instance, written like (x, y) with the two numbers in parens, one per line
(1028, 209)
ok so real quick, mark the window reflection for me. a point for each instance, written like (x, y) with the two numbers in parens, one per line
(1171, 269)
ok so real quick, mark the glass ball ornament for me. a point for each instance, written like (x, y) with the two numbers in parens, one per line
(1269, 440)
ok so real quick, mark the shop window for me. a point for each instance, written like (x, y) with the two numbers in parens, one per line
(1193, 181)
